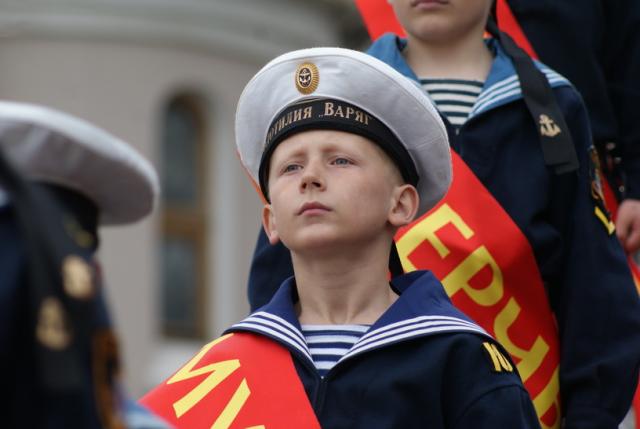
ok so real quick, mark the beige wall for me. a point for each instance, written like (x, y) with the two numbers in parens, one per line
(118, 75)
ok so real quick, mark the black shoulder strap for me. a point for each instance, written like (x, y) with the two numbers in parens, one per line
(555, 138)
(60, 369)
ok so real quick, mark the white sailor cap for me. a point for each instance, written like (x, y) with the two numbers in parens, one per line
(53, 147)
(335, 88)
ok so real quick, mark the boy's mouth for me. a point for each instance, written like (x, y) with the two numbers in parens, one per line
(313, 206)
(427, 2)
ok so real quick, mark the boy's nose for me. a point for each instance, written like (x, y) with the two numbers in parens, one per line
(311, 179)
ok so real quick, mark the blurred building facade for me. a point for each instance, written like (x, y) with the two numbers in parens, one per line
(165, 75)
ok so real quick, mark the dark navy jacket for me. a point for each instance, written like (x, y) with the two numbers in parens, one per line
(422, 364)
(583, 267)
(596, 44)
(26, 399)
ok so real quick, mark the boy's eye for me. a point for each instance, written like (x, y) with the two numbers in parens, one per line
(341, 161)
(290, 167)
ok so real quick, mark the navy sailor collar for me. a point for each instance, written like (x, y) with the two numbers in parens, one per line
(422, 309)
(501, 86)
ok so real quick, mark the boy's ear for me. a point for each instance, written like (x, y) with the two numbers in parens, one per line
(269, 224)
(404, 205)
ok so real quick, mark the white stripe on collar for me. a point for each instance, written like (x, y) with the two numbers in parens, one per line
(409, 324)
(513, 82)
(498, 88)
(356, 350)
(417, 326)
(512, 90)
(277, 327)
(510, 87)
(274, 326)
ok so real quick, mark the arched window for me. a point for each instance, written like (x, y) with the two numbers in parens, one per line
(182, 259)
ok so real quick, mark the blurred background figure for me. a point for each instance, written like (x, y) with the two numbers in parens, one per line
(166, 76)
(596, 45)
(57, 346)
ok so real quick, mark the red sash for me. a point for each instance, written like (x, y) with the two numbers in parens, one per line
(486, 265)
(488, 269)
(509, 24)
(238, 381)
(379, 18)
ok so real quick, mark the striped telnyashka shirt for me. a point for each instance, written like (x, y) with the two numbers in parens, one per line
(328, 343)
(454, 98)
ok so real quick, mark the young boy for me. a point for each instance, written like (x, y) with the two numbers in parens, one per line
(549, 299)
(346, 151)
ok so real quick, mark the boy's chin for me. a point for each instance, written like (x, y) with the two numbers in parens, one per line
(318, 244)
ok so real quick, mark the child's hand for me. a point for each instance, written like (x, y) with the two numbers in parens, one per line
(628, 225)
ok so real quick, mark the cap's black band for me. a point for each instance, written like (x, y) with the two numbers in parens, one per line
(331, 114)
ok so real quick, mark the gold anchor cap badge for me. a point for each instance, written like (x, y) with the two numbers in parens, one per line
(307, 78)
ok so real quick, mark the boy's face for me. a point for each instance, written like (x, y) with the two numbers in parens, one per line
(333, 188)
(440, 21)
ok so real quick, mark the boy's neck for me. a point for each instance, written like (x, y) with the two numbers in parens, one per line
(349, 287)
(465, 58)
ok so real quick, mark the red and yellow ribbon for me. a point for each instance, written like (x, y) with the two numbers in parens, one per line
(488, 269)
(238, 381)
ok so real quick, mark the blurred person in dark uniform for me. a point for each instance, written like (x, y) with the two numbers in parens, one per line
(596, 45)
(60, 178)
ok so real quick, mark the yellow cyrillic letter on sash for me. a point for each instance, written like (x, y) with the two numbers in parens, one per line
(461, 275)
(549, 398)
(217, 373)
(426, 229)
(530, 360)
(234, 406)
